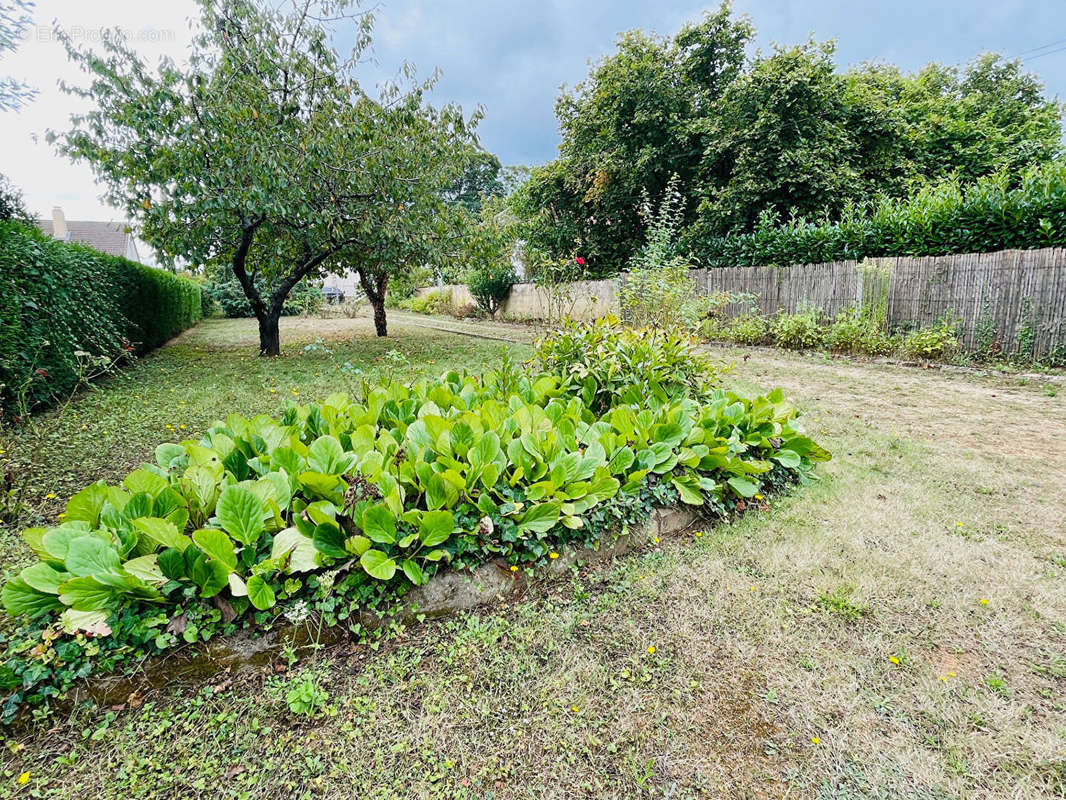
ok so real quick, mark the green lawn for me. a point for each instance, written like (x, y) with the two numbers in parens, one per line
(896, 630)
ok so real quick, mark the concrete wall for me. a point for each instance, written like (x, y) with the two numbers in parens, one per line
(583, 300)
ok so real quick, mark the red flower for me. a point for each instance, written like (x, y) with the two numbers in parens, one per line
(579, 261)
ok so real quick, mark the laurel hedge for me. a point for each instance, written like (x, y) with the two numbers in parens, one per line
(1000, 212)
(62, 304)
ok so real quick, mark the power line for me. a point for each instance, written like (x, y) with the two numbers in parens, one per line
(1046, 53)
(1042, 47)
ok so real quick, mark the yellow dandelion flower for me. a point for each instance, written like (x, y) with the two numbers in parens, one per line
(958, 524)
(553, 555)
(24, 778)
(984, 601)
(62, 514)
(651, 649)
(751, 588)
(944, 678)
(656, 540)
(85, 427)
(893, 659)
(815, 740)
(951, 674)
(575, 709)
(758, 497)
(50, 496)
(514, 568)
(699, 534)
(182, 427)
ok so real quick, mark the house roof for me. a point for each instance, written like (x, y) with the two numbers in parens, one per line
(107, 237)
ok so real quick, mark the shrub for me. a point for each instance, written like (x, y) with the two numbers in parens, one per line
(934, 342)
(432, 302)
(800, 331)
(12, 204)
(305, 297)
(346, 504)
(657, 289)
(61, 304)
(404, 285)
(610, 363)
(490, 284)
(947, 218)
(750, 328)
(854, 333)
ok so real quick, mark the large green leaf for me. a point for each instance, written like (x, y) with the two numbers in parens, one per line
(172, 563)
(142, 481)
(140, 505)
(328, 539)
(217, 545)
(87, 504)
(146, 568)
(89, 593)
(260, 593)
(435, 527)
(413, 572)
(240, 513)
(301, 551)
(210, 575)
(688, 488)
(21, 598)
(379, 524)
(540, 518)
(162, 532)
(44, 578)
(88, 555)
(378, 565)
(326, 455)
(787, 458)
(743, 486)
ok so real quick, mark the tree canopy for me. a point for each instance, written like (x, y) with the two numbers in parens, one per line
(782, 133)
(264, 152)
(14, 17)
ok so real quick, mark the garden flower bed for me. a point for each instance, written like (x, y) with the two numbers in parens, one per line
(340, 510)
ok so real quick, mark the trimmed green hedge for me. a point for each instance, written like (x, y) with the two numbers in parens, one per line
(57, 299)
(993, 214)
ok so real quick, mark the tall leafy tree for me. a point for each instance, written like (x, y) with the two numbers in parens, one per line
(778, 140)
(626, 130)
(263, 152)
(14, 17)
(482, 176)
(779, 135)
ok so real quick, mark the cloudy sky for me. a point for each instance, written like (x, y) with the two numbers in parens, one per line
(511, 57)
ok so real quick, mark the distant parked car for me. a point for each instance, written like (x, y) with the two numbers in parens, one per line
(332, 294)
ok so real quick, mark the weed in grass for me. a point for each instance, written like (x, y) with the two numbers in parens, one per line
(996, 685)
(840, 603)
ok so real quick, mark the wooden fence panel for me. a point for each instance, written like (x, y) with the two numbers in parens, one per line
(1012, 297)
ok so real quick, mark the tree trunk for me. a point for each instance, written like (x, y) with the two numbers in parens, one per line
(269, 335)
(380, 324)
(375, 288)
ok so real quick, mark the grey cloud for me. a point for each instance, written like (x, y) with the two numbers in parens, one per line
(512, 57)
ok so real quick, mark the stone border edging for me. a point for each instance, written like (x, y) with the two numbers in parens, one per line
(446, 593)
